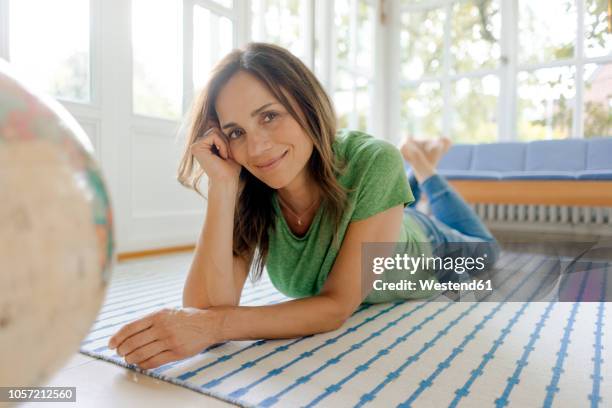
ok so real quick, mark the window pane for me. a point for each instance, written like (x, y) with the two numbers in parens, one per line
(598, 40)
(364, 48)
(547, 30)
(354, 25)
(476, 28)
(212, 40)
(225, 3)
(156, 44)
(50, 47)
(545, 103)
(344, 80)
(421, 113)
(343, 102)
(354, 61)
(280, 22)
(421, 43)
(321, 42)
(352, 100)
(597, 100)
(342, 25)
(475, 109)
(410, 3)
(362, 106)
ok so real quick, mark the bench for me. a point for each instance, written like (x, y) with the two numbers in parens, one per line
(557, 172)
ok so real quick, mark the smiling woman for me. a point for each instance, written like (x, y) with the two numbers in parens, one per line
(262, 103)
(289, 191)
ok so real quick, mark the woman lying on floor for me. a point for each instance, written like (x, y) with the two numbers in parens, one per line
(288, 191)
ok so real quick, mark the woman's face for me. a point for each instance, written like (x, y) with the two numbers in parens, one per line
(262, 134)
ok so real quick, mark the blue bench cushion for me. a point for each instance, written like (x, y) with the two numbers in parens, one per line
(459, 157)
(502, 157)
(599, 154)
(570, 159)
(556, 155)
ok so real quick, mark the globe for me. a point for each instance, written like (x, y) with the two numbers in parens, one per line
(56, 234)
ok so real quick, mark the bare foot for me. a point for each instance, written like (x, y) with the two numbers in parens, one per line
(434, 149)
(419, 162)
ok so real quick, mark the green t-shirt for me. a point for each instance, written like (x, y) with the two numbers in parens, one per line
(376, 180)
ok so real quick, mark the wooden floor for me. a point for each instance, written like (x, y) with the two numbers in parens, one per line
(101, 384)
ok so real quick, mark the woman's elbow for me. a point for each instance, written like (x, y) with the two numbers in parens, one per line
(192, 298)
(190, 301)
(330, 323)
(338, 316)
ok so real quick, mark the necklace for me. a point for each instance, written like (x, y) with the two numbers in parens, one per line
(297, 217)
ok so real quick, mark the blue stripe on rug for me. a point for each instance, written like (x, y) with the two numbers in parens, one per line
(557, 370)
(595, 397)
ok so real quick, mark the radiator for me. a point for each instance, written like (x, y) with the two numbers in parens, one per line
(547, 218)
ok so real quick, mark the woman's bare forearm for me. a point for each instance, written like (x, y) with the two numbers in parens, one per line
(294, 318)
(211, 280)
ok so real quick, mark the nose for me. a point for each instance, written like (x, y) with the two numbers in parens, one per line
(258, 143)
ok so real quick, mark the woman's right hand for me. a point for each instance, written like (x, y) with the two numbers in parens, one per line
(214, 155)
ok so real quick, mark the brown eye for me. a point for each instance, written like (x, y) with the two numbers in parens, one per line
(234, 134)
(269, 116)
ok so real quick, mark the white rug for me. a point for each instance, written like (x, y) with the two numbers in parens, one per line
(433, 353)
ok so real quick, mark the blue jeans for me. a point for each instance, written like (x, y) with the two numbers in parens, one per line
(453, 229)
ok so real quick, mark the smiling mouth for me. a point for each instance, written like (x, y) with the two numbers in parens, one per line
(273, 162)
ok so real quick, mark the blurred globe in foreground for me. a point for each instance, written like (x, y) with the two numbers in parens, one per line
(56, 235)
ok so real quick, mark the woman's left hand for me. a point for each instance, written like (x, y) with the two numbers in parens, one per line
(166, 335)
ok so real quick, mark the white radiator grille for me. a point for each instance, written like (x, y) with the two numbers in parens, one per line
(596, 220)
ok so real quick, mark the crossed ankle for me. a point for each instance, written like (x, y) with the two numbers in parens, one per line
(424, 175)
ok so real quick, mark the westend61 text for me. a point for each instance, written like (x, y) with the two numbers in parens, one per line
(430, 285)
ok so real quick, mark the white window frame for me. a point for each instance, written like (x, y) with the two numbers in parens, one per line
(385, 107)
(308, 25)
(4, 29)
(578, 61)
(375, 122)
(325, 67)
(508, 69)
(445, 78)
(238, 15)
(94, 94)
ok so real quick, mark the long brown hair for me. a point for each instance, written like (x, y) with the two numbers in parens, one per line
(279, 71)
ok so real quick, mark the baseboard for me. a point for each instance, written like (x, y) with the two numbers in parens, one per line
(124, 256)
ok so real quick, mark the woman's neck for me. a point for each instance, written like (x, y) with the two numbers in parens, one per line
(300, 194)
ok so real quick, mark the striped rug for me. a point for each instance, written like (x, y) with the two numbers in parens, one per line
(430, 353)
